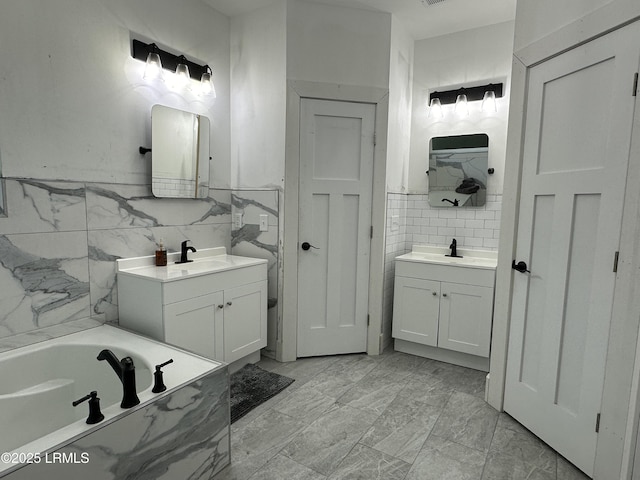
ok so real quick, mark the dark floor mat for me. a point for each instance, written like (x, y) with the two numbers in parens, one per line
(251, 386)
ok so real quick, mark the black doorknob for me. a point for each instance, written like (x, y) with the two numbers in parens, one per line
(520, 267)
(306, 246)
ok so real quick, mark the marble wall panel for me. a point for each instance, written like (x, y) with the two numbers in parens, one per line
(46, 333)
(184, 434)
(129, 206)
(38, 207)
(44, 280)
(59, 244)
(249, 241)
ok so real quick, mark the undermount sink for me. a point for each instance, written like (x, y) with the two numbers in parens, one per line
(198, 265)
(204, 261)
(438, 255)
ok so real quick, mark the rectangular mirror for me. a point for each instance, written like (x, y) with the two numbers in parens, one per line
(458, 168)
(179, 153)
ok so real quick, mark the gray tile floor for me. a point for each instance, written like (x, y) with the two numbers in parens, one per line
(391, 417)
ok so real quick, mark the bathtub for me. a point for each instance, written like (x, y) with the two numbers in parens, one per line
(38, 384)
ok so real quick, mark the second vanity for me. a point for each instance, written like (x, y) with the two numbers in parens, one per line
(215, 306)
(443, 306)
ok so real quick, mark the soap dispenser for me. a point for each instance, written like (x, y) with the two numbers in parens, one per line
(161, 255)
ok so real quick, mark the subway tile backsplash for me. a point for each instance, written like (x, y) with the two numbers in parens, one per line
(474, 228)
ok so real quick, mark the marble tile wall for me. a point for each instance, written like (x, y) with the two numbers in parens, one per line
(46, 333)
(250, 241)
(60, 240)
(184, 434)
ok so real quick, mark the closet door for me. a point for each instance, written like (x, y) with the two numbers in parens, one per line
(334, 222)
(576, 150)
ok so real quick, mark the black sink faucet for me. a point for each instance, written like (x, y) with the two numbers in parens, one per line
(126, 372)
(454, 249)
(184, 249)
(455, 201)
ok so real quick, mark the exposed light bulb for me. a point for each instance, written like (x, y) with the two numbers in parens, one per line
(153, 69)
(182, 76)
(489, 104)
(435, 109)
(462, 107)
(206, 81)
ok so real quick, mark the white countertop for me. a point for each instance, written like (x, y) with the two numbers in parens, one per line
(437, 255)
(205, 261)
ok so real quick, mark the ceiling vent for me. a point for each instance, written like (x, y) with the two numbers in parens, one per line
(428, 3)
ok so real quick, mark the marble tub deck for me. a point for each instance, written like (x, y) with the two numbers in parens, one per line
(392, 417)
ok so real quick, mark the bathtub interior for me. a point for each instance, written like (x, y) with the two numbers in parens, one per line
(38, 387)
(39, 382)
(76, 362)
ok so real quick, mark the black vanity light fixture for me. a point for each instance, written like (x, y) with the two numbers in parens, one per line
(460, 96)
(157, 60)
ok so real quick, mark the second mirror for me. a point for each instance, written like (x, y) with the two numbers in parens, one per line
(458, 170)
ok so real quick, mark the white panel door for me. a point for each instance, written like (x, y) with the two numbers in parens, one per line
(575, 156)
(336, 182)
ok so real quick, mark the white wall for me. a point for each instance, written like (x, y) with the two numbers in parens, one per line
(536, 19)
(337, 45)
(472, 57)
(74, 105)
(258, 105)
(400, 91)
(74, 109)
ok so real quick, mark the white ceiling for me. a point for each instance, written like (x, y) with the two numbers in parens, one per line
(420, 19)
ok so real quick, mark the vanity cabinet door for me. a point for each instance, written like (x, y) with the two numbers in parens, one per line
(245, 320)
(465, 318)
(196, 324)
(415, 310)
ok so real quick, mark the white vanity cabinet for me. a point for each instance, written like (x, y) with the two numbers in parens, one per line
(215, 306)
(443, 308)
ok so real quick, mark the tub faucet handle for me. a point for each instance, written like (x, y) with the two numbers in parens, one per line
(158, 385)
(95, 415)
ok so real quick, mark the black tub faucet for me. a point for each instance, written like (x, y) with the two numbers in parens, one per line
(126, 371)
(184, 249)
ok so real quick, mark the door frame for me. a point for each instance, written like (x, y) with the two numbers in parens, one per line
(621, 397)
(286, 344)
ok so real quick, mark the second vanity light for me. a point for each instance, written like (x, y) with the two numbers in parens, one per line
(462, 96)
(184, 70)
